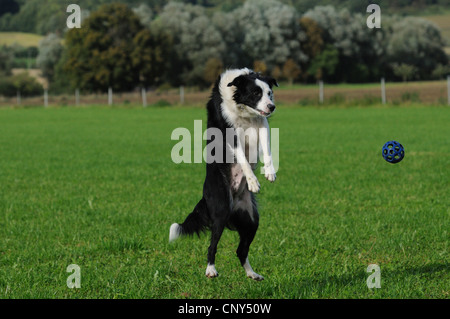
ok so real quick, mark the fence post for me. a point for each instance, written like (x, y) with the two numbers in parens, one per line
(77, 97)
(46, 98)
(110, 96)
(321, 92)
(182, 94)
(383, 91)
(18, 97)
(144, 97)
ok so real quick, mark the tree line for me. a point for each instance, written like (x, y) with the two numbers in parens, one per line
(44, 16)
(126, 47)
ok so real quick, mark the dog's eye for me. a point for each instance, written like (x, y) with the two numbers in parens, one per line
(256, 93)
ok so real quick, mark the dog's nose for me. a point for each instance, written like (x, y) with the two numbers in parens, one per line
(271, 107)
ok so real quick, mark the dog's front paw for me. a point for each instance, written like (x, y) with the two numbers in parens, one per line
(269, 172)
(271, 177)
(253, 184)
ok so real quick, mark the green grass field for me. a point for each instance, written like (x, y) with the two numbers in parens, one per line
(96, 187)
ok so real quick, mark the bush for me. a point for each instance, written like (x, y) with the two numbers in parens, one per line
(6, 60)
(366, 100)
(306, 102)
(7, 88)
(441, 71)
(337, 99)
(25, 84)
(162, 103)
(411, 97)
(405, 71)
(164, 87)
(25, 52)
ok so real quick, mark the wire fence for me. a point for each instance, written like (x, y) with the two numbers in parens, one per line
(431, 92)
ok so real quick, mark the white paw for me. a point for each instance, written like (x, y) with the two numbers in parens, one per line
(271, 177)
(253, 184)
(270, 173)
(211, 271)
(255, 276)
(250, 273)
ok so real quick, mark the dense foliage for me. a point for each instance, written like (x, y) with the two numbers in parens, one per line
(189, 42)
(102, 53)
(42, 16)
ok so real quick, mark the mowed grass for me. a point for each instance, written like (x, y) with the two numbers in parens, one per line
(97, 187)
(22, 38)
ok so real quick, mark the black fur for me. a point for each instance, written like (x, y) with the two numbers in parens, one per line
(214, 211)
(248, 92)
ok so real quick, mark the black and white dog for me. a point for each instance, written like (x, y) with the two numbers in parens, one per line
(241, 99)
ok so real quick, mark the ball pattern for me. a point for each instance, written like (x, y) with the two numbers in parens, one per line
(393, 152)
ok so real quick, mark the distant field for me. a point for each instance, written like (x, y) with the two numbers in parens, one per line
(24, 39)
(96, 187)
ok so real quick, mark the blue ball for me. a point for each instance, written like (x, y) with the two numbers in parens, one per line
(393, 152)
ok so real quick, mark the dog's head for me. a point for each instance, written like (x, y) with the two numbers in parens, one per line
(254, 92)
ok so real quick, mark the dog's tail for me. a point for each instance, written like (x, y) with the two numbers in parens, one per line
(196, 222)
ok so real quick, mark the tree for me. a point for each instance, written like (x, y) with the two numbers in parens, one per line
(441, 71)
(6, 60)
(26, 85)
(149, 56)
(195, 41)
(213, 68)
(9, 6)
(417, 42)
(145, 14)
(271, 32)
(50, 51)
(361, 50)
(291, 71)
(405, 71)
(313, 43)
(276, 73)
(324, 64)
(232, 36)
(111, 51)
(260, 66)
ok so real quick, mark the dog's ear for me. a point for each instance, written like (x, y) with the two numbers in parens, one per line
(270, 80)
(237, 81)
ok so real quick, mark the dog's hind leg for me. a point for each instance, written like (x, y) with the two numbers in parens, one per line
(246, 223)
(242, 253)
(216, 233)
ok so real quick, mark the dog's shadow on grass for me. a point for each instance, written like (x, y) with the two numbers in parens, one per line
(391, 275)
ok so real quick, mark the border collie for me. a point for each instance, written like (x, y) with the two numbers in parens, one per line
(241, 99)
